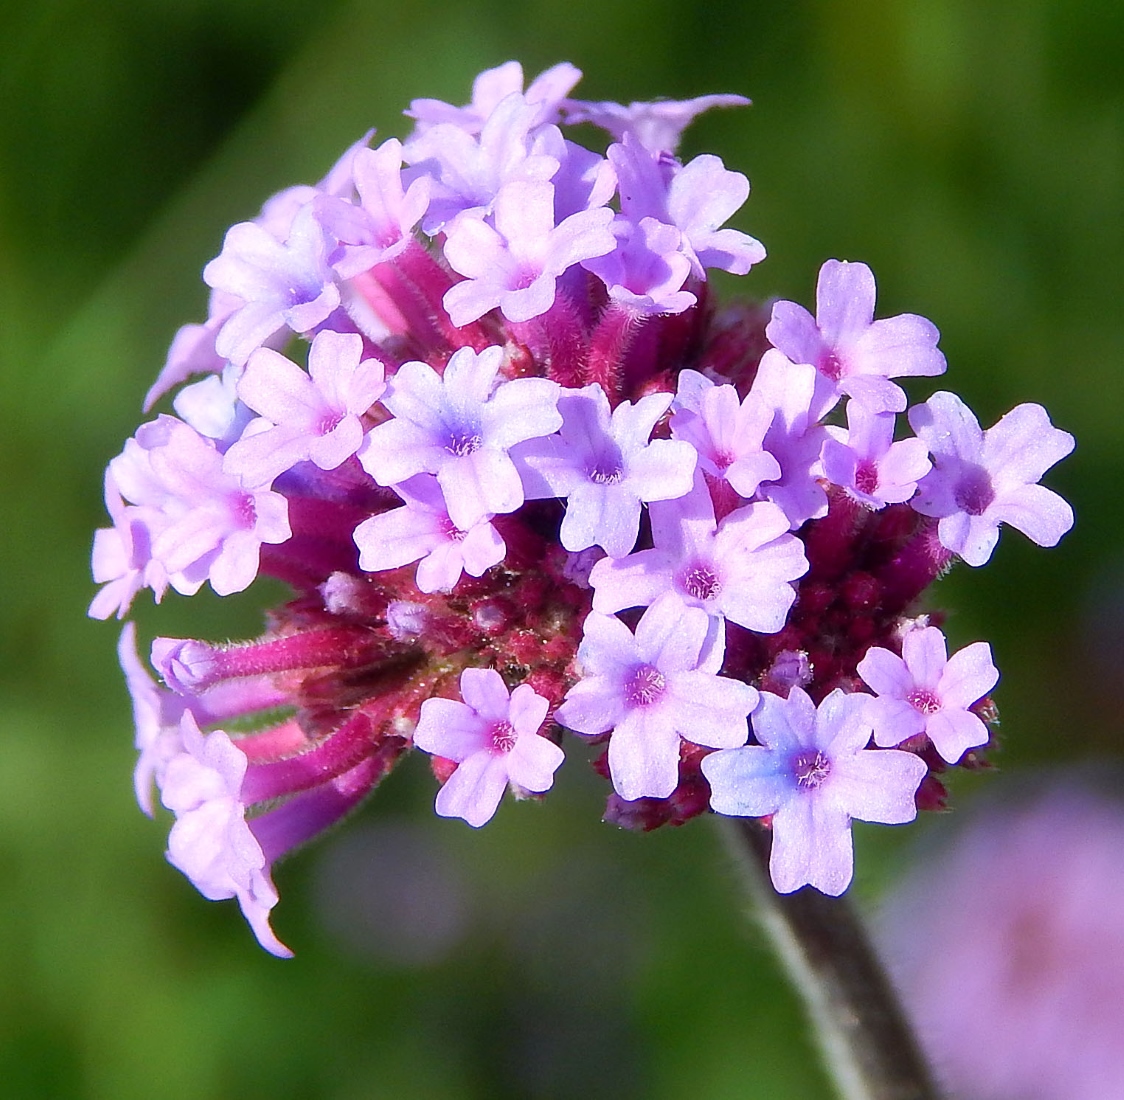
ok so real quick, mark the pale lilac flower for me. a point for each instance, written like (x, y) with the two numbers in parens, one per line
(122, 559)
(1007, 945)
(926, 691)
(204, 524)
(490, 88)
(727, 433)
(853, 353)
(423, 530)
(284, 286)
(867, 462)
(515, 264)
(812, 773)
(603, 464)
(460, 427)
(312, 417)
(646, 271)
(494, 738)
(653, 689)
(983, 478)
(381, 225)
(211, 842)
(699, 198)
(468, 172)
(657, 125)
(794, 438)
(739, 570)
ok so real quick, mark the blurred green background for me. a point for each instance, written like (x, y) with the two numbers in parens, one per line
(972, 151)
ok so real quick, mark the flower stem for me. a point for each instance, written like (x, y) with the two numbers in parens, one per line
(864, 1036)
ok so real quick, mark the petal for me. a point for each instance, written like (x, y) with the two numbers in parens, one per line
(483, 689)
(811, 846)
(925, 653)
(1038, 512)
(474, 790)
(528, 710)
(844, 301)
(954, 732)
(710, 710)
(885, 673)
(785, 724)
(747, 782)
(877, 785)
(969, 675)
(1023, 445)
(671, 636)
(449, 728)
(591, 706)
(894, 720)
(644, 756)
(533, 762)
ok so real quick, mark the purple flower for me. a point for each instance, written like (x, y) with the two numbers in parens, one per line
(853, 353)
(699, 197)
(468, 172)
(122, 559)
(211, 842)
(983, 478)
(288, 285)
(214, 524)
(728, 434)
(867, 462)
(653, 689)
(460, 427)
(490, 88)
(515, 264)
(657, 125)
(813, 773)
(381, 226)
(604, 466)
(494, 738)
(926, 691)
(305, 417)
(646, 271)
(423, 530)
(739, 570)
(794, 437)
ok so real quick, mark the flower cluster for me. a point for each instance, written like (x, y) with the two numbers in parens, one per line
(470, 397)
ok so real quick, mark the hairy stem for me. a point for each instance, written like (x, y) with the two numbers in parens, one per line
(866, 1041)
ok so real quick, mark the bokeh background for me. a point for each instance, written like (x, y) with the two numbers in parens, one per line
(972, 151)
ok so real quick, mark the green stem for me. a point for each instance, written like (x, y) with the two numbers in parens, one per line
(864, 1036)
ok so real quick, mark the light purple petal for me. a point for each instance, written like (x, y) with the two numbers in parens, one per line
(1038, 512)
(533, 761)
(953, 732)
(925, 652)
(969, 675)
(710, 710)
(644, 756)
(747, 782)
(811, 847)
(474, 790)
(877, 785)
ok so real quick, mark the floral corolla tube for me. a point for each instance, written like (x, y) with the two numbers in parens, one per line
(472, 399)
